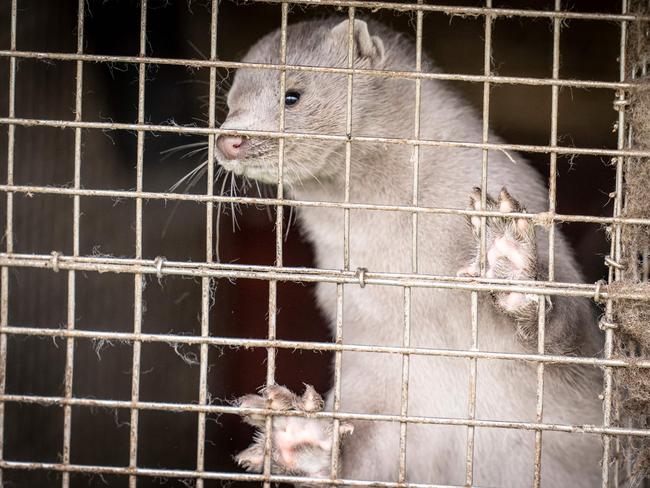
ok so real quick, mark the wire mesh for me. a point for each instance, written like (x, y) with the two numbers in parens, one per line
(209, 269)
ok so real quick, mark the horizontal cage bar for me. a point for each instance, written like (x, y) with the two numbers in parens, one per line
(542, 218)
(411, 419)
(161, 266)
(141, 127)
(320, 346)
(177, 473)
(417, 75)
(468, 11)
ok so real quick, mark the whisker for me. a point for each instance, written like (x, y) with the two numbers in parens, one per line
(308, 171)
(197, 176)
(219, 207)
(197, 50)
(167, 152)
(188, 82)
(257, 185)
(289, 220)
(188, 176)
(191, 178)
(194, 152)
(201, 120)
(233, 192)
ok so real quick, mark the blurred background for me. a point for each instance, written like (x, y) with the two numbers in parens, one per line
(42, 224)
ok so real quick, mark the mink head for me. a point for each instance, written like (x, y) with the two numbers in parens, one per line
(315, 102)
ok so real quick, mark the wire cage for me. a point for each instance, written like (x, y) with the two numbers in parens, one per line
(93, 300)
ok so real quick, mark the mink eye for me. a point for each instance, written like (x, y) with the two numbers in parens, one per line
(291, 97)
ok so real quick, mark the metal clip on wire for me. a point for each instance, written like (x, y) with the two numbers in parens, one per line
(621, 103)
(361, 275)
(606, 324)
(55, 261)
(599, 284)
(159, 262)
(610, 262)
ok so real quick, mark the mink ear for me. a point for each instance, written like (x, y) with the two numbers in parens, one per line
(365, 45)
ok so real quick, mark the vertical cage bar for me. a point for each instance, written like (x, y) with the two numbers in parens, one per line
(487, 71)
(70, 343)
(552, 201)
(539, 402)
(336, 406)
(415, 155)
(471, 407)
(473, 364)
(628, 443)
(406, 338)
(206, 283)
(615, 251)
(273, 284)
(279, 223)
(138, 278)
(348, 143)
(552, 178)
(338, 336)
(9, 232)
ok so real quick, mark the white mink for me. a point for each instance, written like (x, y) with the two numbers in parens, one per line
(446, 245)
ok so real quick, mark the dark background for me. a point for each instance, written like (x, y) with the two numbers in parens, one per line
(44, 156)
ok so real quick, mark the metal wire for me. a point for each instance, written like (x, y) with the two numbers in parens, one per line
(141, 127)
(206, 282)
(138, 277)
(9, 236)
(552, 198)
(411, 419)
(473, 365)
(615, 252)
(201, 63)
(310, 275)
(542, 218)
(209, 270)
(406, 335)
(338, 334)
(177, 473)
(69, 356)
(322, 346)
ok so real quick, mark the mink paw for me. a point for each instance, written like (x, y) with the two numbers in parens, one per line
(300, 445)
(510, 249)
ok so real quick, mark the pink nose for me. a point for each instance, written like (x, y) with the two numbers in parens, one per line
(232, 147)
